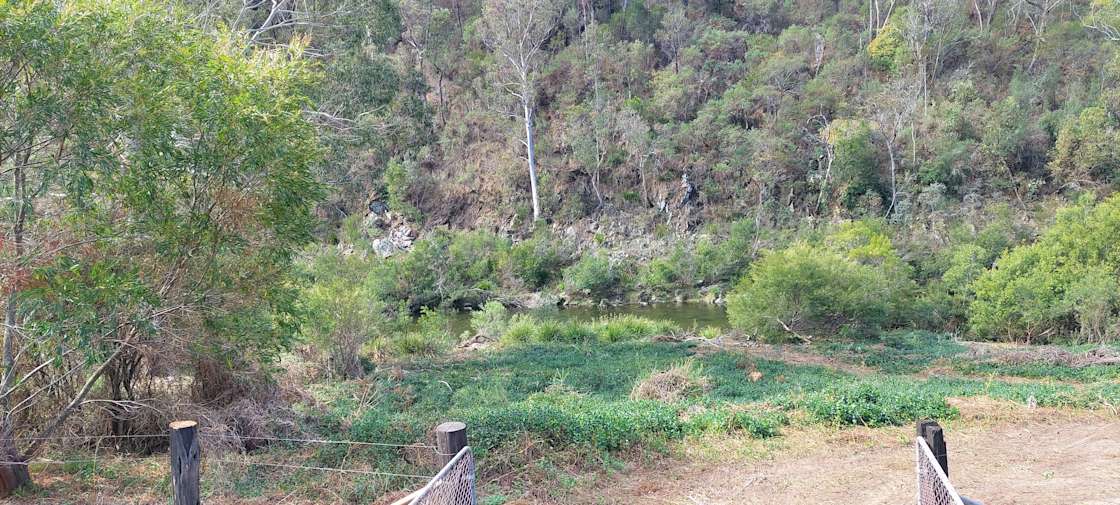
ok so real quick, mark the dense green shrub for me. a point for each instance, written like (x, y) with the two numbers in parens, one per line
(492, 321)
(429, 336)
(400, 179)
(808, 290)
(445, 269)
(1086, 148)
(1063, 284)
(668, 273)
(706, 262)
(536, 262)
(853, 281)
(336, 325)
(594, 276)
(888, 51)
(855, 166)
(879, 403)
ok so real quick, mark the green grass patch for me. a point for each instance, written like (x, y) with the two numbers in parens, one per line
(876, 403)
(575, 398)
(570, 419)
(1041, 370)
(897, 352)
(529, 329)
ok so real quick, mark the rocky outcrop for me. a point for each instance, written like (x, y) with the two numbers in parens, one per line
(392, 233)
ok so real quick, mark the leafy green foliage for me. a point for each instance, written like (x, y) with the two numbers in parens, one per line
(399, 179)
(854, 282)
(158, 181)
(445, 269)
(341, 312)
(1084, 151)
(888, 49)
(705, 262)
(564, 419)
(537, 261)
(759, 423)
(429, 336)
(881, 403)
(855, 164)
(492, 321)
(594, 276)
(1062, 284)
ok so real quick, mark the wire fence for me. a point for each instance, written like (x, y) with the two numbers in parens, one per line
(453, 485)
(934, 487)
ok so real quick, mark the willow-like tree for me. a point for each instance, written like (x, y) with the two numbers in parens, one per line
(154, 182)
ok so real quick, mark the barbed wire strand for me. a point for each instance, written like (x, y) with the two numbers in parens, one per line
(318, 441)
(82, 437)
(228, 437)
(49, 462)
(235, 462)
(319, 468)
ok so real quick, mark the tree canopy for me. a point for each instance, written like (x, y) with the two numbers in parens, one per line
(156, 181)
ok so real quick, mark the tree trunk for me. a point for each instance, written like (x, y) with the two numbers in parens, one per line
(642, 178)
(529, 152)
(13, 473)
(894, 169)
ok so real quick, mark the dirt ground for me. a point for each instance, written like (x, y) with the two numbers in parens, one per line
(999, 453)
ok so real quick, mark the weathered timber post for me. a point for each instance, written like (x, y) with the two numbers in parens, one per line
(185, 463)
(935, 439)
(451, 437)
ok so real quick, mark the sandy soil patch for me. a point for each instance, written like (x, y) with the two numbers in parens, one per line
(998, 453)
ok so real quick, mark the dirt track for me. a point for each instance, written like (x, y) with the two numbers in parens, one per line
(1000, 454)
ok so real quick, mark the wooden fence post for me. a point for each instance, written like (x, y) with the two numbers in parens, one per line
(935, 439)
(185, 463)
(451, 437)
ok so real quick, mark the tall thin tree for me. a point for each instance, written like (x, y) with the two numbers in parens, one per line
(516, 30)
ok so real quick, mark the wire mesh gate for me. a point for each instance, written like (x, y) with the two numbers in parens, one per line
(453, 485)
(934, 487)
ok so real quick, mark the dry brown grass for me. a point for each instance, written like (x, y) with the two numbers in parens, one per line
(681, 381)
(1074, 458)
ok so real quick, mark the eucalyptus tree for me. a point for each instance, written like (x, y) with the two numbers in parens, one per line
(516, 31)
(1104, 18)
(154, 182)
(430, 33)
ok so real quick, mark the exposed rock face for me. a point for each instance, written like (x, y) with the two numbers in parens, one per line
(393, 233)
(539, 300)
(399, 238)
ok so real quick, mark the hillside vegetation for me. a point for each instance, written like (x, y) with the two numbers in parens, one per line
(264, 214)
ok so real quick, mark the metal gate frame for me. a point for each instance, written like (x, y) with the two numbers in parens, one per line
(453, 485)
(934, 487)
